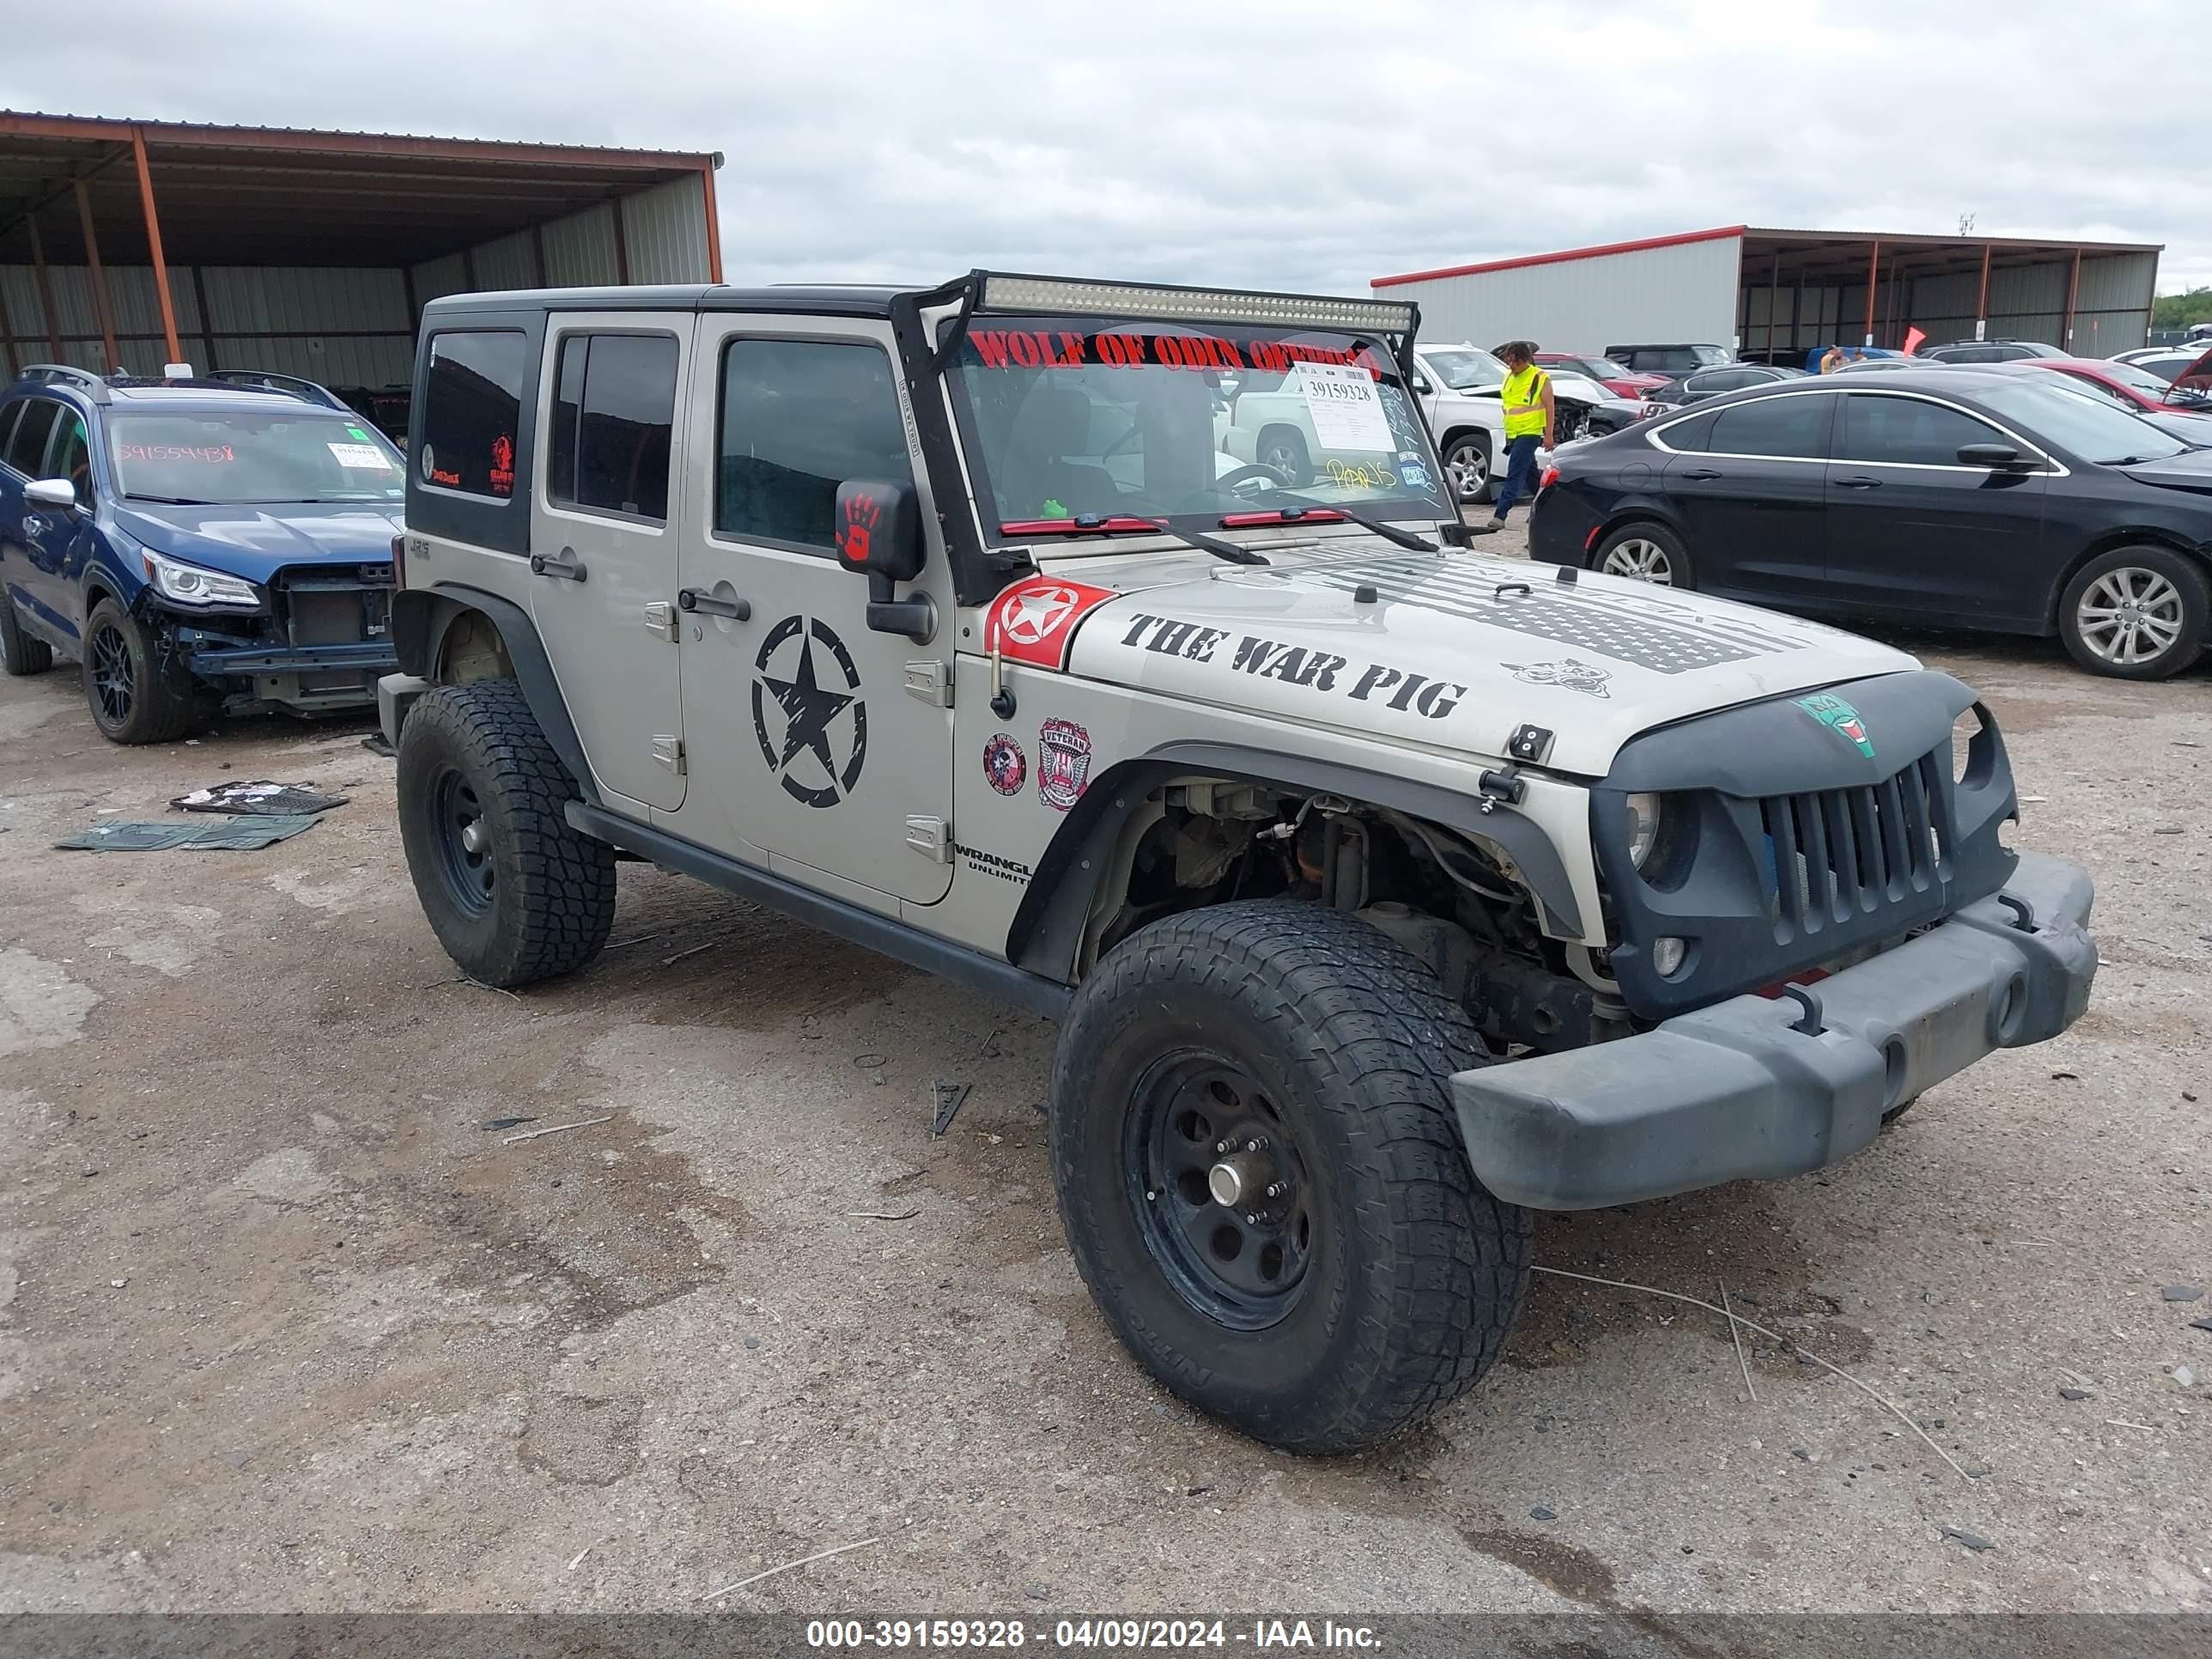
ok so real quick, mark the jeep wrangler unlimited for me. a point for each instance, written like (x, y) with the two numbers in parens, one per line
(1385, 892)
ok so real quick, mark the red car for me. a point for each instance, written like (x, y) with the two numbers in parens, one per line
(2145, 392)
(1621, 382)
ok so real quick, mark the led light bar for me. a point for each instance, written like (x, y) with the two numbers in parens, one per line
(1054, 295)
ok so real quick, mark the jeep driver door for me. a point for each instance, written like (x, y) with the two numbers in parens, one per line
(604, 520)
(812, 739)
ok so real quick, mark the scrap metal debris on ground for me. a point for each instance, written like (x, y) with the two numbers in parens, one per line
(258, 798)
(949, 1097)
(228, 834)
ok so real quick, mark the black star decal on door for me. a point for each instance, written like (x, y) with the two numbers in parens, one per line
(825, 731)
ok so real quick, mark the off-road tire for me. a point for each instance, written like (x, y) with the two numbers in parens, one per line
(1681, 570)
(2190, 600)
(536, 899)
(20, 654)
(1415, 1273)
(134, 697)
(1899, 1110)
(1474, 446)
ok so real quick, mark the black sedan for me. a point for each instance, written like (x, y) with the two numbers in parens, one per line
(1954, 496)
(1711, 382)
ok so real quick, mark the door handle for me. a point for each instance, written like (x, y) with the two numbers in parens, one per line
(691, 599)
(1859, 483)
(1700, 474)
(568, 567)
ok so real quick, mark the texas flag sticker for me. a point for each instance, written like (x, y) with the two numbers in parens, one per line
(1034, 620)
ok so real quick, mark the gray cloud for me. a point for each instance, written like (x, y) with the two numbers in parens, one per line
(1290, 144)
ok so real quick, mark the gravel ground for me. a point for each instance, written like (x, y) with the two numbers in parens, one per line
(284, 1325)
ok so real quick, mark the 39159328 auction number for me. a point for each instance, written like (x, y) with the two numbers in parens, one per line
(858, 1633)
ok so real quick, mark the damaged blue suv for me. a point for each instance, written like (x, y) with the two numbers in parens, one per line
(199, 545)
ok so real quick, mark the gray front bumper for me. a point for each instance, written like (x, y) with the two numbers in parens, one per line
(1736, 1091)
(395, 696)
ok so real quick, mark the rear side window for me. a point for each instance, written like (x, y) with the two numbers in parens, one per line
(72, 457)
(1908, 431)
(1793, 428)
(1689, 436)
(799, 418)
(472, 409)
(614, 416)
(27, 449)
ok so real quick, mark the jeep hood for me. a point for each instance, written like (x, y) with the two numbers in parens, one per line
(255, 542)
(1453, 652)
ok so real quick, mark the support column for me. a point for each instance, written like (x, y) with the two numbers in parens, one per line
(99, 278)
(622, 245)
(538, 248)
(207, 317)
(45, 288)
(1874, 264)
(713, 225)
(9, 360)
(1773, 296)
(1982, 298)
(2073, 295)
(154, 245)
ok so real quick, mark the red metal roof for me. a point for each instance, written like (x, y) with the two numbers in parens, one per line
(1598, 253)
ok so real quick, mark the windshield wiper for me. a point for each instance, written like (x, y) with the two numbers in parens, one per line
(1126, 523)
(1389, 532)
(169, 501)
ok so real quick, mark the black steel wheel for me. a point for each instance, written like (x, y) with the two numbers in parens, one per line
(513, 892)
(1262, 1176)
(134, 698)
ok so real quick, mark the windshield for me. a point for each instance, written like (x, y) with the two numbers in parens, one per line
(2097, 431)
(1069, 418)
(252, 456)
(1465, 369)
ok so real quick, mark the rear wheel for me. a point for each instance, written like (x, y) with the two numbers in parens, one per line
(513, 892)
(1645, 553)
(1466, 463)
(1262, 1180)
(1282, 449)
(20, 654)
(134, 695)
(2137, 613)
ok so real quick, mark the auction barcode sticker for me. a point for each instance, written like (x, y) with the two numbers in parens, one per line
(1346, 410)
(368, 456)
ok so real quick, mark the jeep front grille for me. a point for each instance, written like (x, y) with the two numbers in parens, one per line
(1840, 855)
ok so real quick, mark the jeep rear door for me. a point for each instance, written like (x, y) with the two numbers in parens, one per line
(815, 740)
(604, 522)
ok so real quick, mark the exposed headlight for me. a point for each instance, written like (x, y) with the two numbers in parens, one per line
(187, 583)
(1644, 812)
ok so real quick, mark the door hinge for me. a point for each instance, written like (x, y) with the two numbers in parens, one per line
(669, 752)
(930, 682)
(661, 617)
(931, 837)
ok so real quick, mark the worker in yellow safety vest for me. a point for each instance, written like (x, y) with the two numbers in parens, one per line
(1530, 423)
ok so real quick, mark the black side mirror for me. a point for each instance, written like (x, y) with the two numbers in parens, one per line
(1998, 457)
(879, 535)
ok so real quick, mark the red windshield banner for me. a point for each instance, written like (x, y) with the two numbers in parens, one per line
(1049, 348)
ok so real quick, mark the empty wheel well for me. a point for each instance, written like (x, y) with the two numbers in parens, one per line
(471, 649)
(2111, 543)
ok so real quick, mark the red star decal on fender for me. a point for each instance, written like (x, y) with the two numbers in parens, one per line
(1035, 619)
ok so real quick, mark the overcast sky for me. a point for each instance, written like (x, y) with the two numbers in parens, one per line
(1285, 144)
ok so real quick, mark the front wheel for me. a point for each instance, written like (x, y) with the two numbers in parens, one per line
(2137, 613)
(1467, 465)
(135, 695)
(1645, 553)
(1262, 1181)
(513, 892)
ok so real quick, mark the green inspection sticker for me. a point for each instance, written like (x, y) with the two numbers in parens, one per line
(1839, 717)
(356, 431)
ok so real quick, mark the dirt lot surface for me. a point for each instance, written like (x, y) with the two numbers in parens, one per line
(283, 1325)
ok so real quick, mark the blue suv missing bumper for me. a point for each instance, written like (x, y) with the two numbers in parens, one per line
(222, 542)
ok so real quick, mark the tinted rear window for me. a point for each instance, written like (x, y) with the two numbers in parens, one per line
(1794, 428)
(472, 409)
(614, 413)
(27, 450)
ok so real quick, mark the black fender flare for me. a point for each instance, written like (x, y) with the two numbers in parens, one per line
(1049, 924)
(420, 619)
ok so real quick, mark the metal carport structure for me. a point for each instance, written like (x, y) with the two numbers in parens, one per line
(130, 244)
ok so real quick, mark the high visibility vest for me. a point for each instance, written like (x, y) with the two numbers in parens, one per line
(1526, 387)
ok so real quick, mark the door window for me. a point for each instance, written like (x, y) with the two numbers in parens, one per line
(471, 410)
(799, 418)
(1794, 426)
(1909, 431)
(614, 416)
(72, 457)
(26, 448)
(1689, 437)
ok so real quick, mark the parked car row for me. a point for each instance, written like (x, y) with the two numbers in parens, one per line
(2005, 496)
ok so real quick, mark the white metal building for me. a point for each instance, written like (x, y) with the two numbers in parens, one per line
(1780, 293)
(130, 245)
